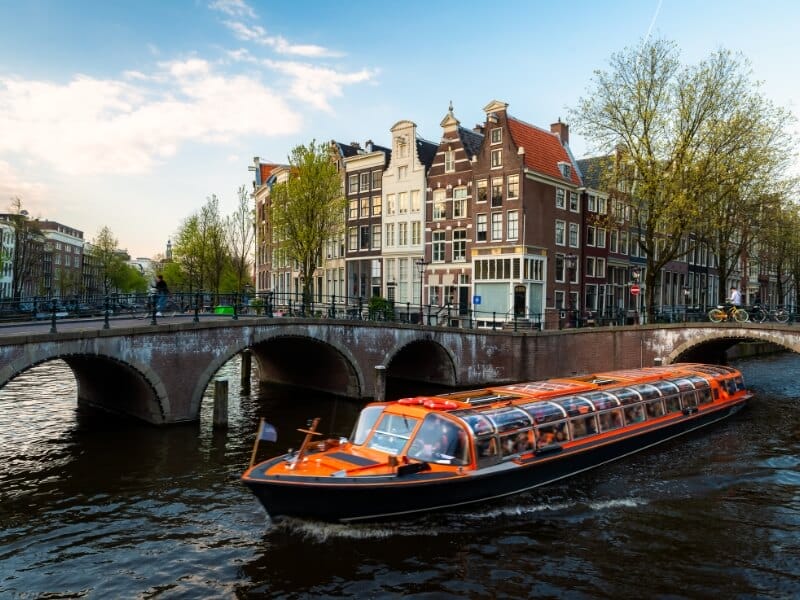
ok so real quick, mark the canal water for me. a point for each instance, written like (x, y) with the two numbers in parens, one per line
(97, 507)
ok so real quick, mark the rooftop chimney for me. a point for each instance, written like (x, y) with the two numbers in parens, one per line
(561, 130)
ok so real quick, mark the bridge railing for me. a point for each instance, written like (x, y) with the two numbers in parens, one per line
(272, 304)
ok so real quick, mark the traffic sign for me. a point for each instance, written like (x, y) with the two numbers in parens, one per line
(635, 289)
(476, 299)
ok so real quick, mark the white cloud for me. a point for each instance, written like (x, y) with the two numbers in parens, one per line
(12, 185)
(89, 125)
(257, 34)
(234, 8)
(314, 84)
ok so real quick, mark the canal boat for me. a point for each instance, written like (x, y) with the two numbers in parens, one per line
(432, 453)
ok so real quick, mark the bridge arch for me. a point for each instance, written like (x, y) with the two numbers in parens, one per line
(423, 360)
(696, 348)
(103, 381)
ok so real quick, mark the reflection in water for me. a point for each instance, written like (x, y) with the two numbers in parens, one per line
(92, 505)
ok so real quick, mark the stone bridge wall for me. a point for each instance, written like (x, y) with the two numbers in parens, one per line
(159, 373)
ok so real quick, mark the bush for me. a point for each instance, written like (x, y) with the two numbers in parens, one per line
(381, 309)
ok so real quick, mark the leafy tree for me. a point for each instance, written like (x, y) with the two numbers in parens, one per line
(110, 266)
(307, 209)
(241, 237)
(665, 124)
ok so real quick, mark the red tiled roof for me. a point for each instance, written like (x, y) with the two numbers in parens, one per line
(266, 171)
(543, 150)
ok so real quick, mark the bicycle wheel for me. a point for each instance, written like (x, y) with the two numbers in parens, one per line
(758, 315)
(716, 315)
(740, 315)
(782, 315)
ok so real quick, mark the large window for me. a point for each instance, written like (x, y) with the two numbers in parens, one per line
(460, 245)
(402, 202)
(352, 239)
(438, 246)
(497, 158)
(481, 228)
(482, 190)
(459, 203)
(365, 235)
(376, 237)
(573, 235)
(497, 226)
(353, 184)
(513, 187)
(402, 234)
(391, 205)
(376, 206)
(449, 161)
(439, 206)
(497, 135)
(560, 233)
(512, 225)
(560, 198)
(497, 191)
(364, 182)
(574, 204)
(416, 233)
(364, 208)
(376, 180)
(389, 234)
(353, 213)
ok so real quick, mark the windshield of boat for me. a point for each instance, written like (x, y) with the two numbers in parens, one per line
(392, 433)
(366, 420)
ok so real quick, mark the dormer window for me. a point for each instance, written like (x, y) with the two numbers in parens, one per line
(497, 135)
(565, 170)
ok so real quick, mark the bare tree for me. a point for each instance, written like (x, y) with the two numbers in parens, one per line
(28, 255)
(241, 237)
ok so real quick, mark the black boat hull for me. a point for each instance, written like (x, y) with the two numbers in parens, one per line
(350, 499)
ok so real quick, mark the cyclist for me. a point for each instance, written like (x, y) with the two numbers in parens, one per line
(734, 301)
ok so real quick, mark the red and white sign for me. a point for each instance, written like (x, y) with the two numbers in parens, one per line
(635, 289)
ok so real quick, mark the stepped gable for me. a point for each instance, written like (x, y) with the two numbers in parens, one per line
(543, 150)
(426, 151)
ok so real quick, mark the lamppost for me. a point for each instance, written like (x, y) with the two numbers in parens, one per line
(635, 274)
(686, 293)
(421, 264)
(572, 263)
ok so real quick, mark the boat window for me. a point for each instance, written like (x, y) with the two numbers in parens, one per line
(655, 409)
(731, 385)
(392, 433)
(610, 419)
(552, 433)
(647, 391)
(366, 420)
(545, 412)
(740, 383)
(575, 406)
(626, 395)
(477, 422)
(602, 400)
(672, 404)
(704, 396)
(665, 387)
(516, 443)
(486, 448)
(688, 399)
(509, 419)
(697, 381)
(634, 414)
(440, 440)
(582, 426)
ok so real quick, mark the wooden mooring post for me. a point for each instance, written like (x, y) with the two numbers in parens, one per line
(247, 362)
(221, 403)
(380, 383)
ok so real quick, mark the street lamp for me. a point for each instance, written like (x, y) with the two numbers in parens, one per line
(572, 263)
(635, 274)
(421, 264)
(686, 293)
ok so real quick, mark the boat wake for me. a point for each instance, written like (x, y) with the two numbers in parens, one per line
(434, 525)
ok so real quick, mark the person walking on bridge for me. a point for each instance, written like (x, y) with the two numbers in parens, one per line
(162, 291)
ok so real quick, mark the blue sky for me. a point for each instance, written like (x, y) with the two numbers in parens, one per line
(130, 114)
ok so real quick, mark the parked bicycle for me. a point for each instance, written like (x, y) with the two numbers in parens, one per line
(759, 314)
(728, 313)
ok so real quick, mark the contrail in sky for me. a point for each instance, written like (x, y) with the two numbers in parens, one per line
(653, 21)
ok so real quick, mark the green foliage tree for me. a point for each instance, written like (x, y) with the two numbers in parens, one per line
(664, 126)
(111, 267)
(307, 209)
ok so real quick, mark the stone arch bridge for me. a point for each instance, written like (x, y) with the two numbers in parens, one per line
(159, 373)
